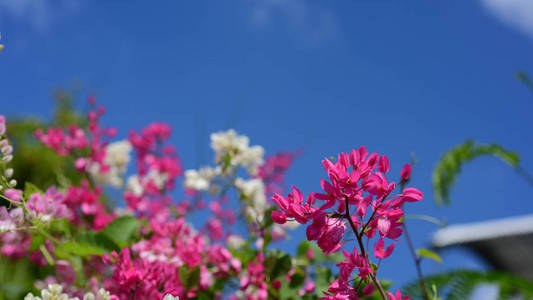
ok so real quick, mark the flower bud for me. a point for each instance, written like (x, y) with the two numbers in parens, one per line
(7, 158)
(7, 149)
(405, 173)
(8, 173)
(12, 183)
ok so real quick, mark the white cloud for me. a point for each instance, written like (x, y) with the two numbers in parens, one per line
(314, 23)
(515, 13)
(38, 13)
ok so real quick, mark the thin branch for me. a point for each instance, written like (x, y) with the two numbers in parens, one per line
(363, 252)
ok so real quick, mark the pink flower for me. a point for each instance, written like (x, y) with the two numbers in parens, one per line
(398, 296)
(412, 195)
(405, 173)
(379, 249)
(293, 206)
(279, 217)
(13, 195)
(369, 289)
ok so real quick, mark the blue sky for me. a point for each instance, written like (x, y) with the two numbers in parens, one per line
(325, 76)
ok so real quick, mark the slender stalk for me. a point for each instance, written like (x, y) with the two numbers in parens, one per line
(363, 252)
(415, 256)
(417, 260)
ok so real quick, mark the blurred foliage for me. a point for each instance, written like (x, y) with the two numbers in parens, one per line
(35, 162)
(524, 78)
(449, 166)
(461, 284)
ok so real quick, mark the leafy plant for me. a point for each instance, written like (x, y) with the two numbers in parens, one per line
(461, 284)
(449, 166)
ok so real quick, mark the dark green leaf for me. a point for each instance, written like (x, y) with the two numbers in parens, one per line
(122, 230)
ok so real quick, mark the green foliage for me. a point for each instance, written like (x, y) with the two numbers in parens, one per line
(35, 162)
(449, 166)
(524, 78)
(189, 277)
(16, 277)
(122, 230)
(426, 253)
(65, 249)
(460, 284)
(277, 264)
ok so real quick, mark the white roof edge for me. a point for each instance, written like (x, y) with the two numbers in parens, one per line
(470, 232)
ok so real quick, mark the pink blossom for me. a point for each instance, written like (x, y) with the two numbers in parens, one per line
(379, 249)
(405, 173)
(397, 296)
(13, 195)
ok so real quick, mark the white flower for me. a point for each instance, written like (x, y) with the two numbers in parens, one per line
(254, 191)
(135, 185)
(53, 292)
(104, 294)
(252, 159)
(8, 173)
(30, 296)
(117, 157)
(235, 241)
(171, 297)
(89, 296)
(236, 147)
(199, 180)
(228, 141)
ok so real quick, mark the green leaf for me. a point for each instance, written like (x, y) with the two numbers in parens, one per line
(267, 216)
(281, 267)
(36, 241)
(78, 249)
(29, 189)
(323, 279)
(122, 230)
(303, 247)
(97, 239)
(426, 253)
(188, 277)
(448, 168)
(297, 279)
(460, 284)
(267, 238)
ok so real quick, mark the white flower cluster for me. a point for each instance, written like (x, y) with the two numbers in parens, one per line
(171, 297)
(231, 151)
(6, 155)
(117, 157)
(235, 241)
(228, 144)
(136, 184)
(200, 180)
(54, 292)
(253, 190)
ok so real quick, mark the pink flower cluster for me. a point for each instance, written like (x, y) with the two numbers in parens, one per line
(153, 155)
(272, 172)
(158, 167)
(96, 145)
(63, 142)
(358, 194)
(155, 271)
(48, 206)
